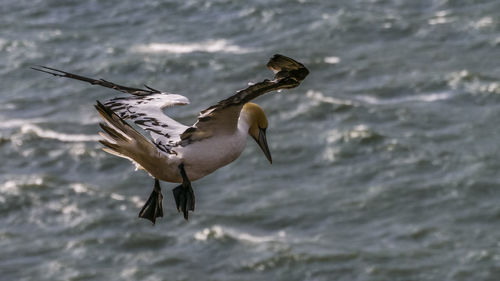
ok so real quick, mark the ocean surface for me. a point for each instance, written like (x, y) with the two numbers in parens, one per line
(386, 158)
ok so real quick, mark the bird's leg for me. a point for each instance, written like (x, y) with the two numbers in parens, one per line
(184, 194)
(153, 209)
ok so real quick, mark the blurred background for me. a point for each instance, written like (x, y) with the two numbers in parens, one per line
(385, 158)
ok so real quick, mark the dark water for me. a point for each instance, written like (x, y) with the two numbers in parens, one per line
(386, 159)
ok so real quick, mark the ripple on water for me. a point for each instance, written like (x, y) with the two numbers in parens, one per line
(218, 232)
(316, 103)
(210, 46)
(473, 83)
(50, 134)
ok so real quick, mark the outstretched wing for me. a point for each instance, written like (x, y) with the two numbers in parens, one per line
(143, 107)
(146, 112)
(224, 115)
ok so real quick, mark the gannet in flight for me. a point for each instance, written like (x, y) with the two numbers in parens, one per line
(178, 153)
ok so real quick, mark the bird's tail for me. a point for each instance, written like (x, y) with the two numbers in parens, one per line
(122, 140)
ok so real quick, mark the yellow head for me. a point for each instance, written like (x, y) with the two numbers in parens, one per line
(258, 125)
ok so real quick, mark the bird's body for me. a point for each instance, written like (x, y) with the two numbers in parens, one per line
(200, 158)
(178, 153)
(204, 157)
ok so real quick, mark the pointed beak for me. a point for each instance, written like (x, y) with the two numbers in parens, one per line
(262, 141)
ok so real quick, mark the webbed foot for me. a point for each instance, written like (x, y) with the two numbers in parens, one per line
(184, 195)
(153, 208)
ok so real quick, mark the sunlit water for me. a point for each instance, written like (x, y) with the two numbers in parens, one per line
(386, 159)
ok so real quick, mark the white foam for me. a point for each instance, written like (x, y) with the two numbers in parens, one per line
(332, 60)
(483, 23)
(433, 97)
(359, 132)
(218, 232)
(315, 98)
(260, 239)
(117, 197)
(465, 81)
(215, 231)
(80, 188)
(16, 123)
(418, 98)
(129, 272)
(137, 201)
(210, 46)
(12, 186)
(49, 134)
(318, 96)
(441, 17)
(70, 209)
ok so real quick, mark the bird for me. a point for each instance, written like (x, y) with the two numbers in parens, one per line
(177, 153)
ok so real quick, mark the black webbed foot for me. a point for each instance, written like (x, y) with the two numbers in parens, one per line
(184, 195)
(184, 199)
(153, 208)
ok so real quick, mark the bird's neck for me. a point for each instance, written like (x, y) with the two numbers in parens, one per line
(244, 121)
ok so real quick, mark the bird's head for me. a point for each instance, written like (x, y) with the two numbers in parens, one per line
(258, 124)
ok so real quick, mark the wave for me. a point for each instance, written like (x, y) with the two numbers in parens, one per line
(16, 123)
(473, 83)
(49, 134)
(210, 46)
(219, 232)
(314, 99)
(12, 186)
(417, 98)
(320, 97)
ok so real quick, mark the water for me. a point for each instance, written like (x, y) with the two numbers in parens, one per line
(385, 158)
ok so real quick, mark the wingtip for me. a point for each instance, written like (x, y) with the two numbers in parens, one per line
(48, 70)
(152, 89)
(37, 65)
(286, 67)
(105, 110)
(98, 105)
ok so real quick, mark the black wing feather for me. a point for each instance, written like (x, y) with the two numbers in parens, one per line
(100, 82)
